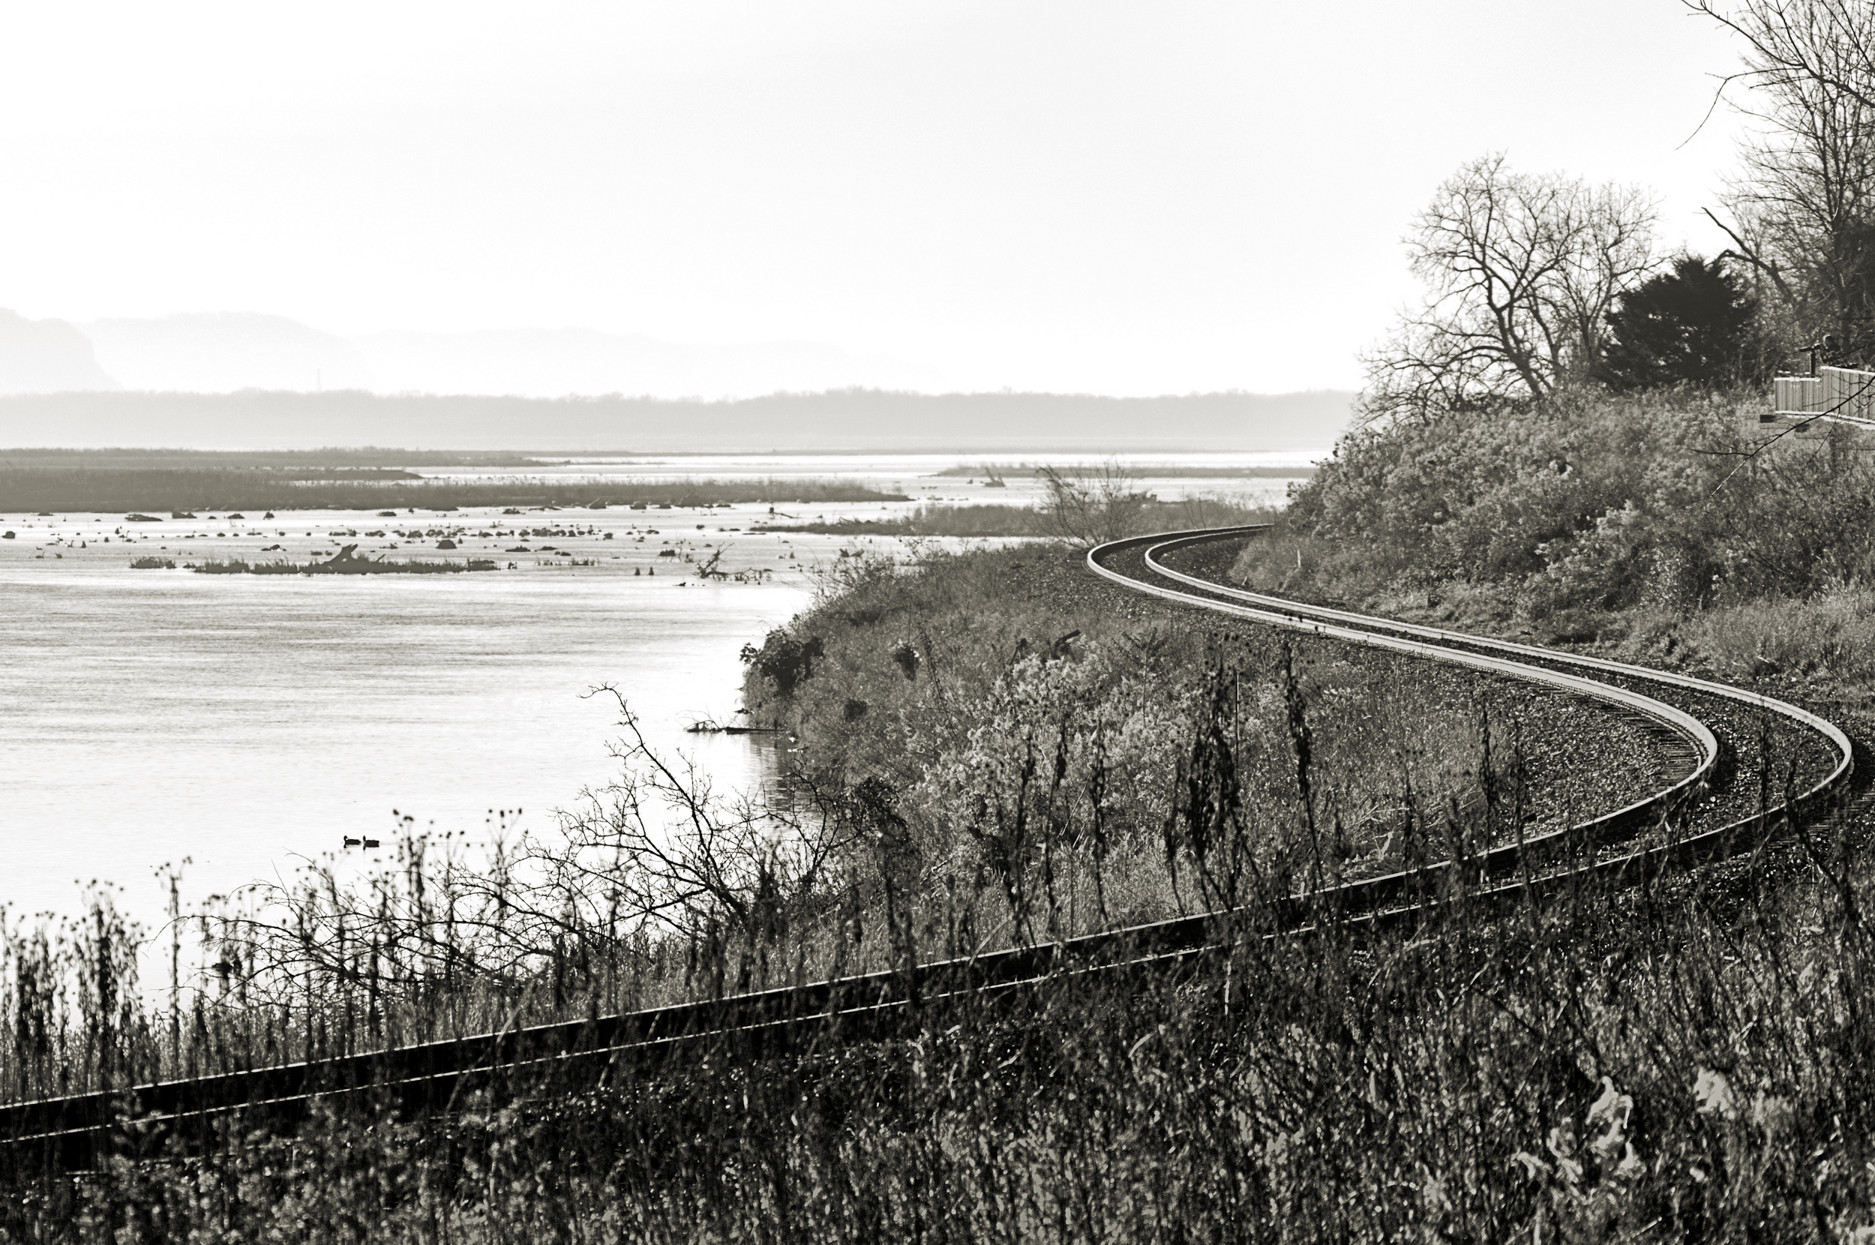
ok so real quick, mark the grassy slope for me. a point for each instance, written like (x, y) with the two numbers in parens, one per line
(1661, 528)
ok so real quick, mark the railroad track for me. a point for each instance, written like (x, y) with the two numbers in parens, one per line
(1820, 758)
(1672, 828)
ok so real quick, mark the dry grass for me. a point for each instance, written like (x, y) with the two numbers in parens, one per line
(1689, 1064)
(1831, 634)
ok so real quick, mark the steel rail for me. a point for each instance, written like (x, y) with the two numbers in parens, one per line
(1742, 835)
(1506, 859)
(71, 1132)
(1839, 742)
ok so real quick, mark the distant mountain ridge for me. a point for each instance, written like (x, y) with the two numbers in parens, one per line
(844, 420)
(220, 352)
(47, 356)
(242, 381)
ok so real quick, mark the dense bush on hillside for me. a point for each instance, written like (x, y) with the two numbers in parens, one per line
(1547, 513)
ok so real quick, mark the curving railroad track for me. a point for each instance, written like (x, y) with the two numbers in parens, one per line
(1726, 798)
(1779, 761)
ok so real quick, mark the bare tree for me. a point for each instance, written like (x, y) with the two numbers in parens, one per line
(1089, 506)
(655, 855)
(659, 845)
(1520, 272)
(1800, 44)
(1803, 210)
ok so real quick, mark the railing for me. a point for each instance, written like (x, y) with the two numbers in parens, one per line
(1833, 393)
(1798, 395)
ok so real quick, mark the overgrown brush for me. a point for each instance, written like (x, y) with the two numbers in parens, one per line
(1667, 522)
(1585, 501)
(1686, 1061)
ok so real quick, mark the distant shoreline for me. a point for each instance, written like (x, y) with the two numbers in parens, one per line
(841, 422)
(64, 489)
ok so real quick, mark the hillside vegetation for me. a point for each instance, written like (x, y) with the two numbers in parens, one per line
(1664, 526)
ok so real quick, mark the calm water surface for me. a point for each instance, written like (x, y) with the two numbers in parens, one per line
(241, 720)
(244, 721)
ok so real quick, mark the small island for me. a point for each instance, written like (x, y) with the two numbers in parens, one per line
(346, 561)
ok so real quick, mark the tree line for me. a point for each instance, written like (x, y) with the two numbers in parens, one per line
(1540, 283)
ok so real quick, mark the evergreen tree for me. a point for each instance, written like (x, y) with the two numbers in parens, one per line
(1696, 325)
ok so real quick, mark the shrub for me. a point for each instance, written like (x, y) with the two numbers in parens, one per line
(1586, 501)
(784, 661)
(1089, 506)
(1694, 325)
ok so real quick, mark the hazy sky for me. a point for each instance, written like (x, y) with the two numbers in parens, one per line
(1144, 197)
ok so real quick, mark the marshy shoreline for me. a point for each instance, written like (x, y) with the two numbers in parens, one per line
(106, 481)
(346, 561)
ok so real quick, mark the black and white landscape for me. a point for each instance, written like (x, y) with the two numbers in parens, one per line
(828, 621)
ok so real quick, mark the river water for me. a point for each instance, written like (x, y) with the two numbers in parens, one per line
(246, 722)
